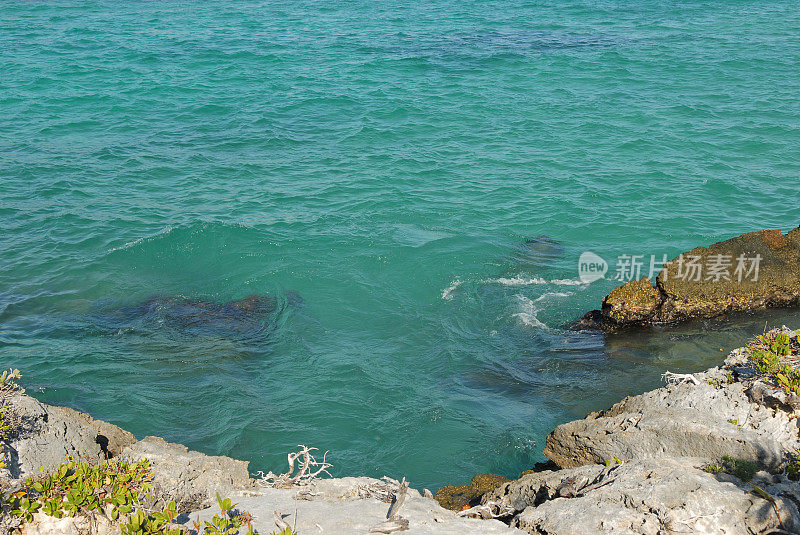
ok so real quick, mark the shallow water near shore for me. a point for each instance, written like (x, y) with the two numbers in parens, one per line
(381, 172)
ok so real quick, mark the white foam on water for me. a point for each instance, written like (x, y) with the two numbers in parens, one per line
(447, 292)
(528, 281)
(527, 314)
(143, 239)
(551, 294)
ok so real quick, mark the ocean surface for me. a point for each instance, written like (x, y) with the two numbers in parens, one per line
(405, 186)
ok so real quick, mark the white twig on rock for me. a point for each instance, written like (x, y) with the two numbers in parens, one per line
(679, 378)
(487, 511)
(308, 469)
(279, 521)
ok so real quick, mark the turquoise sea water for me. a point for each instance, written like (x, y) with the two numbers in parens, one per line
(376, 167)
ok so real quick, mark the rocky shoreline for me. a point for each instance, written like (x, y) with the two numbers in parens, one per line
(711, 452)
(753, 271)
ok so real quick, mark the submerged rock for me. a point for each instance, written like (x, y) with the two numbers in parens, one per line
(182, 316)
(753, 271)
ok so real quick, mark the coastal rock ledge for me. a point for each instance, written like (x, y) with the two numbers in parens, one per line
(714, 452)
(749, 272)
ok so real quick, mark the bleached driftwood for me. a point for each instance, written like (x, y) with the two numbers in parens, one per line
(279, 521)
(487, 511)
(308, 469)
(381, 490)
(679, 378)
(394, 522)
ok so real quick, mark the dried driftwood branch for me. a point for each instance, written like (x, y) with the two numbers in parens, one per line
(487, 511)
(308, 469)
(679, 378)
(394, 522)
(279, 521)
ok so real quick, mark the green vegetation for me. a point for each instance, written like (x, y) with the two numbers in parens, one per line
(766, 353)
(7, 386)
(116, 489)
(225, 523)
(793, 467)
(741, 468)
(776, 342)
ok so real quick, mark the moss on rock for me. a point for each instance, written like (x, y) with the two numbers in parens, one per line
(455, 497)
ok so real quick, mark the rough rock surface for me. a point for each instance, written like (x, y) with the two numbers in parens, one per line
(112, 439)
(647, 497)
(681, 293)
(684, 420)
(338, 507)
(454, 497)
(190, 478)
(79, 525)
(45, 435)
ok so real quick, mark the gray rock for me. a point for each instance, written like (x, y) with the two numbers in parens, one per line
(44, 436)
(190, 478)
(645, 497)
(112, 439)
(685, 420)
(338, 507)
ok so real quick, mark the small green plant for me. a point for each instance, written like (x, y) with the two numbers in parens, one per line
(766, 362)
(741, 468)
(8, 377)
(7, 386)
(226, 522)
(733, 421)
(793, 467)
(286, 531)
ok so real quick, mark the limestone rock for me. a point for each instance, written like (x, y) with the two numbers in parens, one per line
(189, 477)
(45, 436)
(112, 439)
(81, 525)
(339, 507)
(645, 497)
(687, 420)
(633, 302)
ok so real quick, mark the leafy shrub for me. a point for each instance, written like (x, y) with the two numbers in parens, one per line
(116, 489)
(741, 468)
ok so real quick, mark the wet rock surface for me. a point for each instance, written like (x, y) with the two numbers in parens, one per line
(753, 271)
